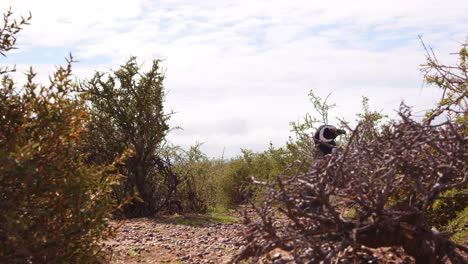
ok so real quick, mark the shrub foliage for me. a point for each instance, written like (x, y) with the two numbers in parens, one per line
(54, 207)
(127, 113)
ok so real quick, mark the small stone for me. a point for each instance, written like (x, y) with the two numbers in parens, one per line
(276, 256)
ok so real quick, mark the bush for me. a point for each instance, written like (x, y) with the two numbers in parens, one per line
(376, 192)
(218, 183)
(446, 208)
(235, 183)
(55, 207)
(458, 226)
(196, 173)
(127, 113)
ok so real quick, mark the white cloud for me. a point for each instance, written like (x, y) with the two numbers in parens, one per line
(239, 71)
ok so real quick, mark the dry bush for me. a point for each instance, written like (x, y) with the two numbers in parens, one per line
(376, 190)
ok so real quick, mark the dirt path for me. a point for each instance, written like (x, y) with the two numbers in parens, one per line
(180, 240)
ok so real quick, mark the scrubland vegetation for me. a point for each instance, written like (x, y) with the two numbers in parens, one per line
(75, 155)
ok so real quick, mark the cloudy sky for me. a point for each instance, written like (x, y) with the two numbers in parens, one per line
(239, 71)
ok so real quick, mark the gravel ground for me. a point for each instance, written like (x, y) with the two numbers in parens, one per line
(196, 239)
(145, 240)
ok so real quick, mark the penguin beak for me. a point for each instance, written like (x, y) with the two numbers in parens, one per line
(340, 131)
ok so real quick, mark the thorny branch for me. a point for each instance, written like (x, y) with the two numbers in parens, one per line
(375, 192)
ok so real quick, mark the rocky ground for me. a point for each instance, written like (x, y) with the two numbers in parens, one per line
(205, 239)
(177, 239)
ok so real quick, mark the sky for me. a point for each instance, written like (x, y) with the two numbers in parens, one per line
(238, 72)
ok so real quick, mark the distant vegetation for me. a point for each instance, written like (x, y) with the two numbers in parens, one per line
(74, 155)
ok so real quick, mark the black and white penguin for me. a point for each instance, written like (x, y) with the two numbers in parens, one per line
(325, 136)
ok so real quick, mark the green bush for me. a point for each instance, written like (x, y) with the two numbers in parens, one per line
(235, 185)
(54, 207)
(217, 183)
(459, 227)
(446, 207)
(127, 113)
(197, 175)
